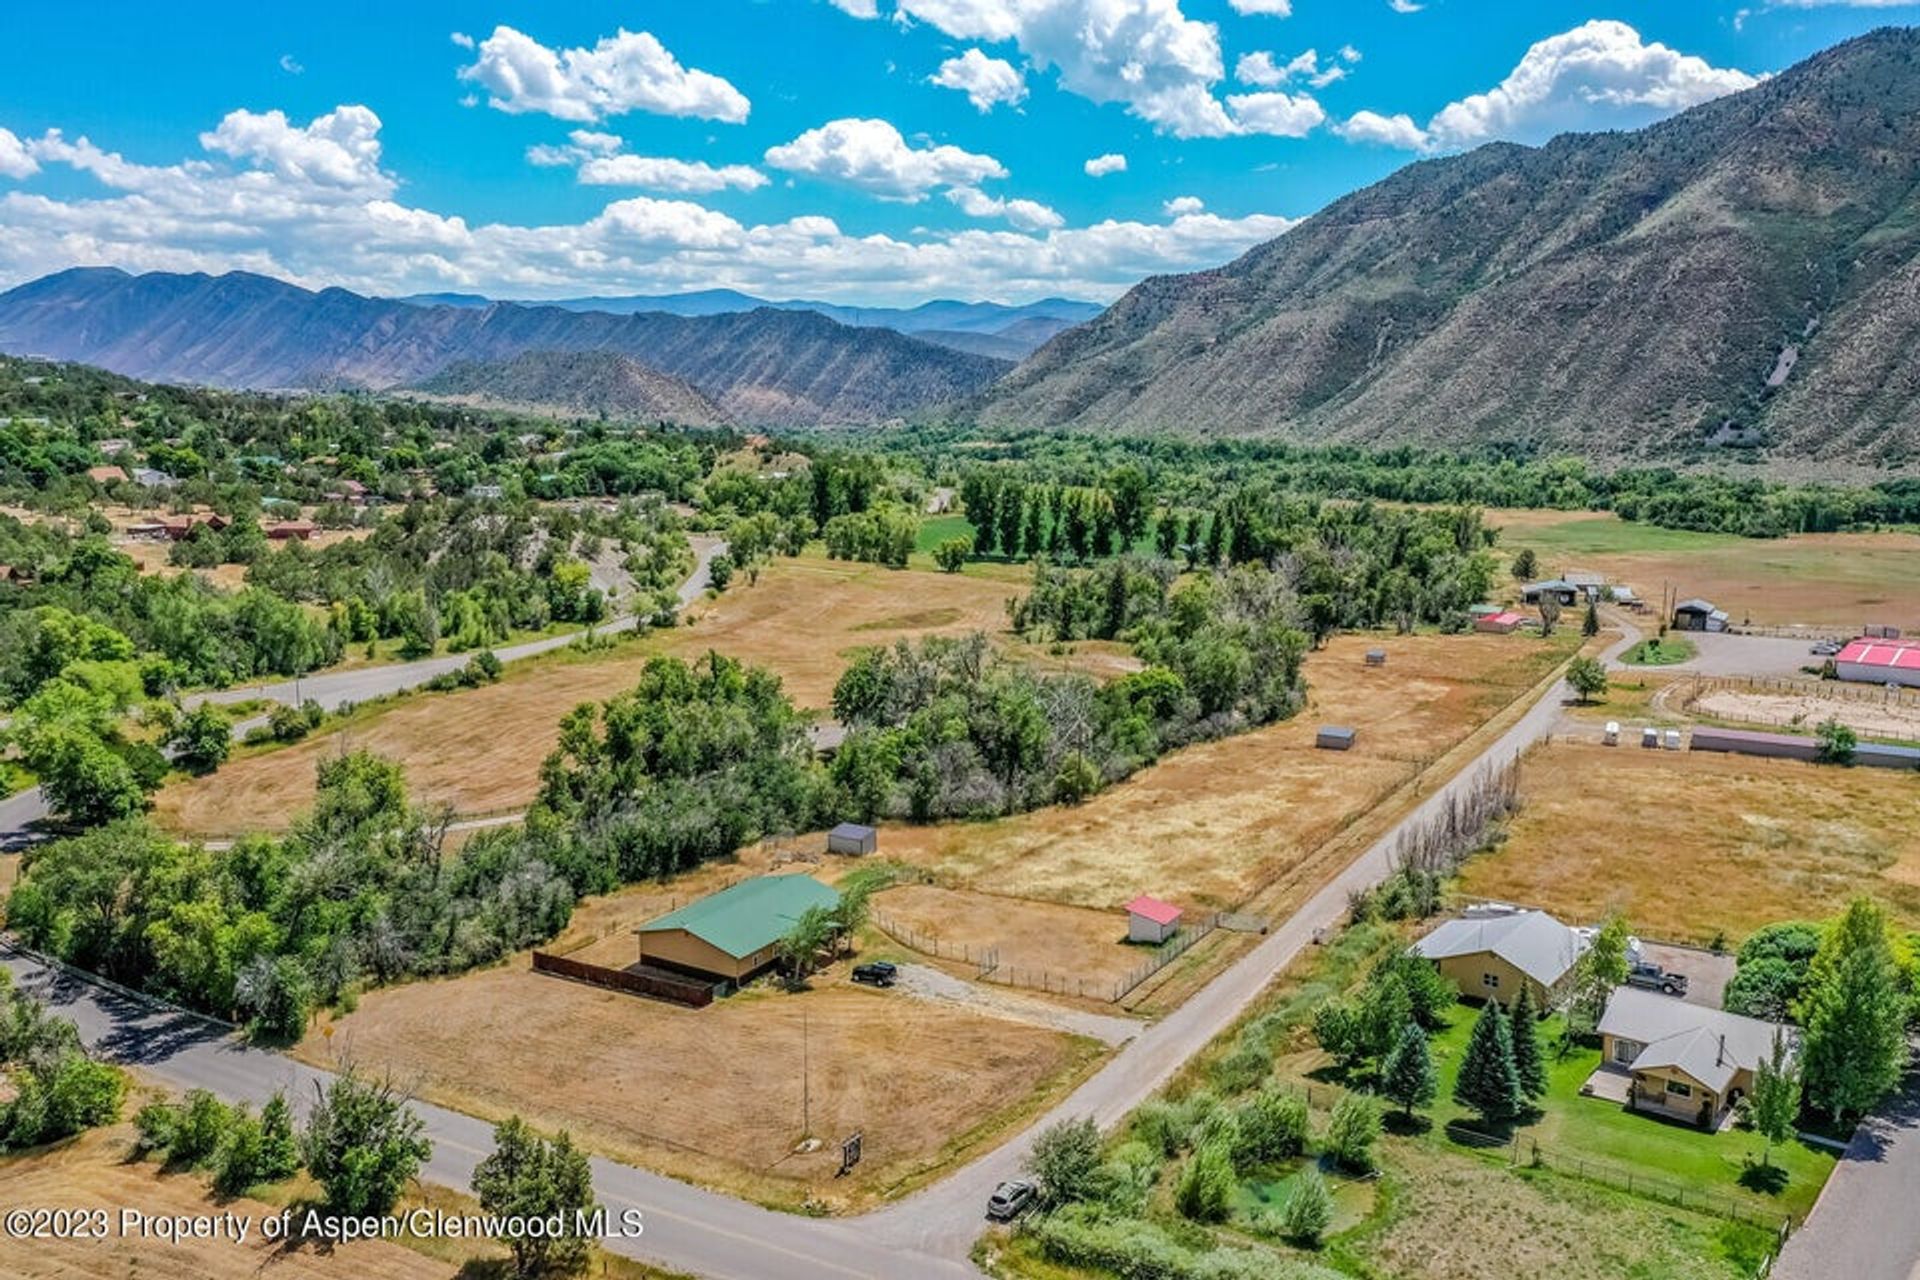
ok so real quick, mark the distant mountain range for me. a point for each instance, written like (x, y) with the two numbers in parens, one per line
(1743, 276)
(983, 328)
(583, 382)
(763, 367)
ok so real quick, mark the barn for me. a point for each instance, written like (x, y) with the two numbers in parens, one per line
(735, 933)
(1698, 615)
(1879, 662)
(1499, 624)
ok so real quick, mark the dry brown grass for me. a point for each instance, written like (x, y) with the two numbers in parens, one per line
(714, 1095)
(480, 750)
(93, 1172)
(1692, 844)
(1209, 825)
(1826, 579)
(1089, 945)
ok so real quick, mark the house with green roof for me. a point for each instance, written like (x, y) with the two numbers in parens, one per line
(735, 933)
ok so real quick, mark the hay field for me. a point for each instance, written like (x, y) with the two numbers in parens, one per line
(1691, 844)
(480, 749)
(1207, 826)
(715, 1095)
(1839, 580)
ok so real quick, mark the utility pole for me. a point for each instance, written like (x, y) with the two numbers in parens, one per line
(806, 1082)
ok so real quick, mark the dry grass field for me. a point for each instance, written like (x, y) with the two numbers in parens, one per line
(715, 1095)
(1692, 844)
(92, 1172)
(1209, 825)
(1837, 580)
(1033, 936)
(480, 750)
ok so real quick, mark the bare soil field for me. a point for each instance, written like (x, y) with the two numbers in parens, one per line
(1208, 826)
(715, 1095)
(1836, 580)
(480, 749)
(1693, 844)
(92, 1172)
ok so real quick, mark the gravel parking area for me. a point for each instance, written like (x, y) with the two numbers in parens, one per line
(1707, 974)
(929, 983)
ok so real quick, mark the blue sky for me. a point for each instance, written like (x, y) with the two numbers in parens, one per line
(881, 151)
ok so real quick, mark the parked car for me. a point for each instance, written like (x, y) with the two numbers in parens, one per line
(1652, 977)
(1827, 648)
(877, 973)
(1011, 1199)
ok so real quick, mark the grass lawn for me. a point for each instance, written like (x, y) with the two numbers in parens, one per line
(1572, 1128)
(1560, 535)
(937, 529)
(1659, 653)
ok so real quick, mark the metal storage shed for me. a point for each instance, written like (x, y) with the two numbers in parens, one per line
(1333, 737)
(851, 837)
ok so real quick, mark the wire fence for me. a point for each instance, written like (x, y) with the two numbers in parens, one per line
(985, 959)
(1802, 687)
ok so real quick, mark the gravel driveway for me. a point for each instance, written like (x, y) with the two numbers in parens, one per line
(928, 983)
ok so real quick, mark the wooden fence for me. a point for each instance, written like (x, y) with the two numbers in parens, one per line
(673, 988)
(1698, 687)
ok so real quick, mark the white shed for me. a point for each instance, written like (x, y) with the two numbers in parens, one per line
(1151, 920)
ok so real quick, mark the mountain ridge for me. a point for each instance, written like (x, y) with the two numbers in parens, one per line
(765, 367)
(1745, 274)
(577, 382)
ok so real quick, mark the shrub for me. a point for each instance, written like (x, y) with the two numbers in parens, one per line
(1273, 1126)
(1308, 1211)
(1205, 1190)
(1352, 1131)
(1066, 1160)
(201, 1127)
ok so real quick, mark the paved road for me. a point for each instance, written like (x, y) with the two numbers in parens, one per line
(1865, 1226)
(19, 812)
(335, 689)
(927, 1234)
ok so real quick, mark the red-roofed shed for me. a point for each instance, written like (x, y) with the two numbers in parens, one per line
(1498, 623)
(1151, 920)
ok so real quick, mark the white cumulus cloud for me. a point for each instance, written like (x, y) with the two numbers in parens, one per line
(1272, 8)
(627, 71)
(871, 155)
(1182, 206)
(1279, 115)
(1259, 68)
(858, 8)
(1026, 215)
(341, 148)
(1601, 74)
(1101, 166)
(15, 162)
(987, 82)
(599, 161)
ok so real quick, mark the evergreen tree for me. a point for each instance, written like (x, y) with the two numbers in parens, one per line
(1529, 1060)
(1590, 624)
(529, 1178)
(1488, 1081)
(1407, 1077)
(1007, 518)
(1032, 540)
(1855, 1013)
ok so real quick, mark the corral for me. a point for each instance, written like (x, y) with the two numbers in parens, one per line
(1691, 844)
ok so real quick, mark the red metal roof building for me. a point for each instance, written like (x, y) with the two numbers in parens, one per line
(1879, 662)
(1151, 920)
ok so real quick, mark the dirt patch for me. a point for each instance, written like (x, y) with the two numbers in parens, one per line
(480, 750)
(1692, 844)
(1209, 825)
(1804, 712)
(716, 1095)
(1035, 936)
(928, 983)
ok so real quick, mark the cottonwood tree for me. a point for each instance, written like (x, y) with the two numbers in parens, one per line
(363, 1144)
(1588, 678)
(1488, 1081)
(1775, 1102)
(1856, 1009)
(1351, 1132)
(1549, 614)
(1601, 968)
(529, 1177)
(800, 950)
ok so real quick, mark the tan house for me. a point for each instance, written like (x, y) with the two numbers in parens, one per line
(1684, 1061)
(735, 933)
(1489, 953)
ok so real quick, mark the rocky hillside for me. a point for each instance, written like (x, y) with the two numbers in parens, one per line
(238, 330)
(1744, 276)
(595, 383)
